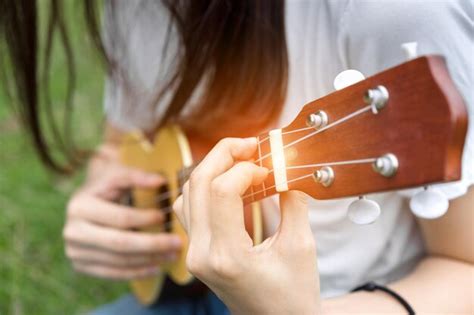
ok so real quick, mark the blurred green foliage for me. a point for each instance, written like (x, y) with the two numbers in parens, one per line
(35, 276)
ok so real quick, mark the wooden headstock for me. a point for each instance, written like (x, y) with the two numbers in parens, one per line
(423, 124)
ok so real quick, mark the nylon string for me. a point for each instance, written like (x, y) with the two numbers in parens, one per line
(166, 196)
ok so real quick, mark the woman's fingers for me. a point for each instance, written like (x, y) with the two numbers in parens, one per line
(223, 156)
(294, 211)
(118, 177)
(226, 217)
(91, 208)
(120, 241)
(295, 232)
(116, 273)
(90, 255)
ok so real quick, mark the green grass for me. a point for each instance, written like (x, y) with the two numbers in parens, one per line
(35, 276)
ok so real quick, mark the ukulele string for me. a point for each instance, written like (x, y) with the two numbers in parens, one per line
(166, 195)
(348, 162)
(331, 125)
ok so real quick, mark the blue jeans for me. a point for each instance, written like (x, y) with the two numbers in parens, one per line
(208, 304)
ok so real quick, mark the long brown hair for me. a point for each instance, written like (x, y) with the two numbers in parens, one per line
(238, 46)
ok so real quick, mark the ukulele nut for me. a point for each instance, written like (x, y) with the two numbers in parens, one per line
(386, 165)
(317, 120)
(324, 176)
(377, 98)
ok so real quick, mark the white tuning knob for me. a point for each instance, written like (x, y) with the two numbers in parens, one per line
(346, 78)
(410, 50)
(363, 211)
(429, 204)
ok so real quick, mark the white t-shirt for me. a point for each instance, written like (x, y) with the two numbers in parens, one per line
(324, 38)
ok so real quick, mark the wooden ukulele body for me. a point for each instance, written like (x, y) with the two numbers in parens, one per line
(168, 154)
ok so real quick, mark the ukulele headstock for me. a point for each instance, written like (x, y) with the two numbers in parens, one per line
(401, 128)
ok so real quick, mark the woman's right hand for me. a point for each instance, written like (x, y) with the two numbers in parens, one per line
(97, 233)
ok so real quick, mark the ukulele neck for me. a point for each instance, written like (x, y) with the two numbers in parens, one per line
(263, 157)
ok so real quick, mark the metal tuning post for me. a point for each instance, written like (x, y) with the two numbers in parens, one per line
(429, 203)
(317, 120)
(363, 211)
(377, 98)
(324, 176)
(386, 165)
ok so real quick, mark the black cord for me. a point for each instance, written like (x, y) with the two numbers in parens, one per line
(372, 286)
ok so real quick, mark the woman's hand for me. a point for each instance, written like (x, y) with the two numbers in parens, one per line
(278, 276)
(98, 236)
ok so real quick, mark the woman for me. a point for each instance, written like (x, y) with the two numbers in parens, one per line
(222, 64)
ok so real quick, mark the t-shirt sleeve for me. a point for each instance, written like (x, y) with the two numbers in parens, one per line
(371, 33)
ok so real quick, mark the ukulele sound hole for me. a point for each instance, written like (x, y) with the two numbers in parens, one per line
(126, 198)
(163, 203)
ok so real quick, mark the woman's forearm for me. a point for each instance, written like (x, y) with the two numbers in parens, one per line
(437, 286)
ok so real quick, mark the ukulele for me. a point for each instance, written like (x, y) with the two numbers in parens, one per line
(404, 127)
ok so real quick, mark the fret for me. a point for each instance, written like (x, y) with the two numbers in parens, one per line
(261, 164)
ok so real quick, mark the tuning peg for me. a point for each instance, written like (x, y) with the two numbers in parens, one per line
(363, 211)
(410, 50)
(346, 78)
(429, 204)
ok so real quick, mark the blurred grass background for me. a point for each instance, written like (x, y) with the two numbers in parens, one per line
(35, 276)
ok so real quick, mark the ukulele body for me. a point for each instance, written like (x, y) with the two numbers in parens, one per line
(168, 155)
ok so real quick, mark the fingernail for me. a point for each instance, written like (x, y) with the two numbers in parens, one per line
(176, 242)
(153, 177)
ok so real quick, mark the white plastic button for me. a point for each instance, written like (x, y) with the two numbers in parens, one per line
(429, 204)
(346, 78)
(410, 50)
(363, 211)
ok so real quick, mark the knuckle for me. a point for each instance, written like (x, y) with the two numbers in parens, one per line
(225, 143)
(223, 266)
(196, 177)
(307, 245)
(72, 206)
(70, 253)
(195, 264)
(68, 232)
(77, 267)
(220, 189)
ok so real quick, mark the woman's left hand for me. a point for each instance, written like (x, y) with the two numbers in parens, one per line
(280, 275)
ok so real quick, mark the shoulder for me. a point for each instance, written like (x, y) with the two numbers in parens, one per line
(384, 25)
